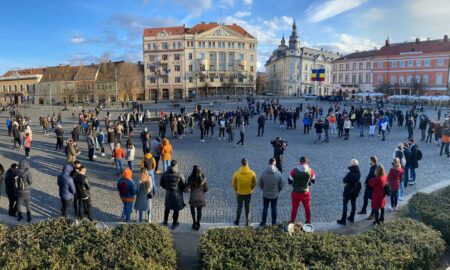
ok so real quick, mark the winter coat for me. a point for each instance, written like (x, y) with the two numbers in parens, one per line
(244, 181)
(197, 193)
(130, 153)
(71, 154)
(148, 162)
(65, 183)
(352, 182)
(378, 195)
(9, 181)
(126, 189)
(142, 203)
(118, 153)
(90, 142)
(347, 124)
(271, 182)
(173, 182)
(394, 178)
(166, 150)
(24, 172)
(155, 148)
(82, 187)
(414, 161)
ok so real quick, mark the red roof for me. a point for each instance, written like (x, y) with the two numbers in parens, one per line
(429, 46)
(29, 71)
(152, 32)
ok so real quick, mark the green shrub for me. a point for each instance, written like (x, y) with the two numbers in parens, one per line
(401, 244)
(432, 209)
(59, 244)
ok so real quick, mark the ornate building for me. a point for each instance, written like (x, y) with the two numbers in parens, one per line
(18, 86)
(207, 59)
(290, 66)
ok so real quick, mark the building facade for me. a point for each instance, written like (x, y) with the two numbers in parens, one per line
(413, 68)
(18, 86)
(352, 73)
(289, 69)
(207, 59)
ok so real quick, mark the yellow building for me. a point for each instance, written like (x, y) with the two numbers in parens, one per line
(18, 86)
(207, 59)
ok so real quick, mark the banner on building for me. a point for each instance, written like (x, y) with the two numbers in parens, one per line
(318, 75)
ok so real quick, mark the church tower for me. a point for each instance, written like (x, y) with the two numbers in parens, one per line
(294, 41)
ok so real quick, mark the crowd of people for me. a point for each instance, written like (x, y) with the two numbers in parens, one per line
(137, 192)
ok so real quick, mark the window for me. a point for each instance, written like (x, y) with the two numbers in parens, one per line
(409, 79)
(340, 78)
(165, 46)
(427, 63)
(360, 78)
(174, 45)
(426, 79)
(165, 79)
(251, 68)
(418, 63)
(354, 66)
(367, 78)
(347, 66)
(410, 63)
(380, 64)
(440, 62)
(393, 80)
(367, 65)
(402, 64)
(191, 80)
(401, 79)
(347, 78)
(439, 79)
(179, 45)
(417, 80)
(152, 69)
(190, 56)
(211, 78)
(379, 79)
(353, 79)
(152, 58)
(202, 56)
(165, 57)
(177, 79)
(212, 56)
(360, 66)
(3, 88)
(149, 46)
(177, 68)
(155, 46)
(176, 56)
(190, 68)
(394, 64)
(252, 58)
(152, 80)
(334, 78)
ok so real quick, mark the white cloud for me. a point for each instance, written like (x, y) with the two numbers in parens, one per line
(346, 44)
(429, 8)
(195, 7)
(77, 40)
(331, 8)
(248, 2)
(229, 3)
(242, 14)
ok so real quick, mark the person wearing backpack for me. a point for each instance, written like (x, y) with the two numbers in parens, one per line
(66, 189)
(23, 182)
(127, 191)
(351, 191)
(416, 155)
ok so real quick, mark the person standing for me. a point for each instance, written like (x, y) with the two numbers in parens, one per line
(131, 150)
(271, 183)
(155, 146)
(410, 126)
(110, 138)
(261, 123)
(174, 184)
(91, 146)
(144, 193)
(415, 156)
(347, 126)
(16, 135)
(241, 134)
(23, 182)
(127, 191)
(82, 194)
(445, 139)
(368, 189)
(101, 141)
(351, 191)
(27, 145)
(378, 195)
(197, 186)
(243, 183)
(300, 178)
(318, 126)
(394, 179)
(118, 154)
(166, 153)
(10, 189)
(66, 189)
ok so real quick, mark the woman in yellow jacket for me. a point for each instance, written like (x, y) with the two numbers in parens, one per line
(244, 182)
(166, 153)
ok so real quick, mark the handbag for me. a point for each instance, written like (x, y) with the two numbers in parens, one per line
(150, 195)
(387, 190)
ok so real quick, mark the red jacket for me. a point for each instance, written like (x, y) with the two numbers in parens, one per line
(378, 195)
(394, 177)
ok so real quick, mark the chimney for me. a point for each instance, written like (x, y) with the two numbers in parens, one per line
(445, 38)
(139, 62)
(417, 40)
(202, 23)
(110, 60)
(388, 42)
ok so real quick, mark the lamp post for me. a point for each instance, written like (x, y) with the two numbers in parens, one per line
(115, 85)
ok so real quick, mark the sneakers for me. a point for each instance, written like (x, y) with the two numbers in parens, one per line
(103, 154)
(412, 183)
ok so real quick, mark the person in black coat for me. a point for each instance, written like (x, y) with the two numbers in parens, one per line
(83, 193)
(11, 190)
(24, 194)
(261, 123)
(196, 186)
(368, 190)
(351, 191)
(174, 184)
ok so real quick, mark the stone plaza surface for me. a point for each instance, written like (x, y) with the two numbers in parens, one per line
(220, 159)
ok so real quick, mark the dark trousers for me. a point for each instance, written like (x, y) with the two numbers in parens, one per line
(344, 209)
(422, 131)
(241, 141)
(273, 208)
(84, 208)
(27, 151)
(157, 162)
(279, 162)
(91, 154)
(241, 200)
(260, 130)
(202, 133)
(394, 198)
(346, 133)
(198, 217)
(174, 216)
(16, 142)
(379, 215)
(340, 131)
(59, 143)
(445, 145)
(65, 207)
(410, 133)
(306, 129)
(429, 137)
(221, 132)
(26, 202)
(102, 147)
(12, 209)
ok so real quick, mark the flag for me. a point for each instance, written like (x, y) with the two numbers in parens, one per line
(318, 75)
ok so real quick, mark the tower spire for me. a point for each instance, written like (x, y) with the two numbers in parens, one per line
(294, 41)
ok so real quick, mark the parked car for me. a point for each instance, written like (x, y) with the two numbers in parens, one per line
(269, 94)
(307, 97)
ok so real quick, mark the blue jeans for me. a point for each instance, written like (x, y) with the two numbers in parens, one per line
(402, 189)
(166, 165)
(152, 175)
(149, 213)
(273, 207)
(406, 176)
(361, 130)
(130, 164)
(118, 165)
(126, 212)
(413, 174)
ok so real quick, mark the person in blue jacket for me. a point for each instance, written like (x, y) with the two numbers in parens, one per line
(66, 189)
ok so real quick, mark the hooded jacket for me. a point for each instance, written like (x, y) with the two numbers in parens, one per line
(244, 181)
(394, 178)
(174, 184)
(166, 150)
(148, 162)
(351, 181)
(301, 177)
(65, 183)
(271, 182)
(24, 172)
(126, 186)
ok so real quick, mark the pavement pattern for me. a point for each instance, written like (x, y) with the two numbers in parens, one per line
(219, 160)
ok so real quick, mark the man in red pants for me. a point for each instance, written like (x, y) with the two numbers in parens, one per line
(300, 179)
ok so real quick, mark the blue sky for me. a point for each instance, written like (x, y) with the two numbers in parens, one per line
(38, 33)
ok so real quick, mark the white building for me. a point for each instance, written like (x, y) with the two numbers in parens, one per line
(290, 66)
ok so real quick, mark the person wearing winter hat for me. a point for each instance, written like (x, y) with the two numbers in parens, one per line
(351, 191)
(126, 189)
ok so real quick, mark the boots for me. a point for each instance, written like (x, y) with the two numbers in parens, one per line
(342, 221)
(19, 216)
(351, 218)
(28, 217)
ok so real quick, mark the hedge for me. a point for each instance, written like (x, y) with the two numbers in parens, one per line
(59, 244)
(433, 210)
(400, 244)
